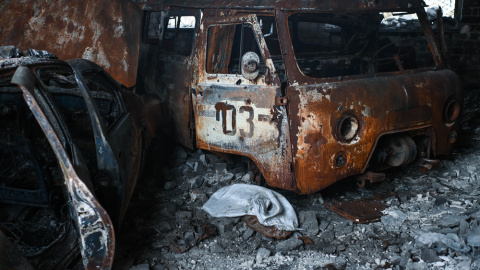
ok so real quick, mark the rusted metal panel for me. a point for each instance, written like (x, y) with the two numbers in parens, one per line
(408, 117)
(268, 231)
(306, 5)
(239, 116)
(432, 41)
(292, 124)
(168, 73)
(415, 100)
(362, 211)
(315, 110)
(105, 32)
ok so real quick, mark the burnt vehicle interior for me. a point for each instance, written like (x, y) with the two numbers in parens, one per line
(236, 41)
(333, 45)
(30, 177)
(32, 186)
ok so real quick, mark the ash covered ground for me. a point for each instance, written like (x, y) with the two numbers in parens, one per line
(431, 221)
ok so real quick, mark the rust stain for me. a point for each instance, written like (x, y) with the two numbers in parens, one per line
(107, 33)
(268, 231)
(303, 132)
(362, 211)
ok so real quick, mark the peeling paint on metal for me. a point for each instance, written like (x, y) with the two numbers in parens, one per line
(107, 33)
(300, 147)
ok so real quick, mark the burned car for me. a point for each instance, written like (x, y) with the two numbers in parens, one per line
(73, 143)
(311, 91)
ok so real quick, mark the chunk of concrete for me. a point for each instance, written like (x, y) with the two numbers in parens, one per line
(262, 254)
(308, 221)
(217, 248)
(290, 244)
(473, 238)
(450, 221)
(429, 255)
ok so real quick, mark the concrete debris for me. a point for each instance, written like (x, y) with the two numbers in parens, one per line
(247, 178)
(143, 266)
(196, 182)
(220, 167)
(224, 225)
(262, 254)
(216, 248)
(450, 221)
(474, 237)
(393, 219)
(198, 194)
(248, 233)
(289, 244)
(308, 221)
(450, 240)
(429, 255)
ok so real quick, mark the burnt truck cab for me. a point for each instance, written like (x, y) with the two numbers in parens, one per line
(311, 91)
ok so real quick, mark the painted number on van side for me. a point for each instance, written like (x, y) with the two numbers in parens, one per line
(221, 115)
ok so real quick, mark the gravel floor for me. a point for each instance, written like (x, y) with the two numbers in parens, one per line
(431, 221)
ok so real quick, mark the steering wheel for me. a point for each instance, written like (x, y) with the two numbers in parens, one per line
(396, 57)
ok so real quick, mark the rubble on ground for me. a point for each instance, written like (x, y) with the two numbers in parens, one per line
(431, 220)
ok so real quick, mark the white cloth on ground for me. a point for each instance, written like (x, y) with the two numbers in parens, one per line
(270, 207)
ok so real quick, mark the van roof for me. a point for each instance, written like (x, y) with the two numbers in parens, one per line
(293, 5)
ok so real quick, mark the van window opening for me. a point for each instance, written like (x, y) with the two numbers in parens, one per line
(225, 49)
(270, 35)
(330, 45)
(179, 35)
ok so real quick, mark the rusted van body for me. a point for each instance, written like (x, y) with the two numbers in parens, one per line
(311, 91)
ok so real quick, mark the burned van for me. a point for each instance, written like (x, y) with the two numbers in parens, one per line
(311, 91)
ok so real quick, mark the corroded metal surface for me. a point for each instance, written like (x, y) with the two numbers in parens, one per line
(295, 127)
(384, 104)
(92, 221)
(268, 231)
(121, 148)
(105, 32)
(102, 132)
(171, 76)
(314, 110)
(330, 6)
(362, 210)
(240, 116)
(370, 177)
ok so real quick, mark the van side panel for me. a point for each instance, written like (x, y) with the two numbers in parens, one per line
(383, 105)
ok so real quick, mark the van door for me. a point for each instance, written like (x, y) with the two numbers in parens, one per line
(239, 114)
